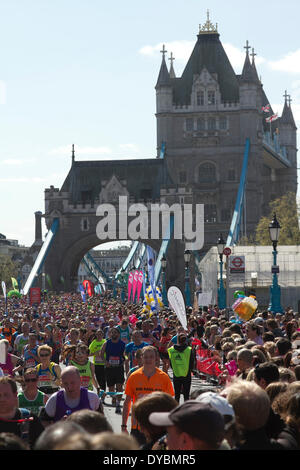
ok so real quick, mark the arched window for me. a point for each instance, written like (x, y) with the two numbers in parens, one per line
(207, 173)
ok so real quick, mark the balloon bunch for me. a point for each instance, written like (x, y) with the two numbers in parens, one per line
(149, 302)
(244, 306)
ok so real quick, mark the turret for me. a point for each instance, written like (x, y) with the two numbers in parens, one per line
(250, 86)
(163, 87)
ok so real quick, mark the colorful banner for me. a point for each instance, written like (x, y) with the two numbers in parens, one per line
(4, 289)
(140, 284)
(82, 292)
(134, 284)
(130, 281)
(89, 287)
(151, 273)
(176, 302)
(35, 295)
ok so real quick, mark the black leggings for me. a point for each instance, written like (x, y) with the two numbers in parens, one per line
(101, 376)
(184, 382)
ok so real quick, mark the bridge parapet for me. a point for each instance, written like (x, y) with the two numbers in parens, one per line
(273, 145)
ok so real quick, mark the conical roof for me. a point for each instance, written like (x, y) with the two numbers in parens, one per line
(209, 53)
(163, 76)
(249, 73)
(287, 115)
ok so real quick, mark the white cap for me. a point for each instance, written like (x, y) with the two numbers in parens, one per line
(216, 401)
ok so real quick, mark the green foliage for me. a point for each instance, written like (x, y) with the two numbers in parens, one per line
(286, 211)
(8, 269)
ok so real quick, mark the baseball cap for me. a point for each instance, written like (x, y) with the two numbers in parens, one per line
(199, 420)
(259, 320)
(220, 404)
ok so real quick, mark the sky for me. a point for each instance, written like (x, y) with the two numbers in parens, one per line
(83, 72)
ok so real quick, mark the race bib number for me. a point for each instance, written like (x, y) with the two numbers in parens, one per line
(30, 362)
(114, 360)
(85, 381)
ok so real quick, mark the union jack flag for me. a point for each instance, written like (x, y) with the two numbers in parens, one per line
(266, 108)
(272, 118)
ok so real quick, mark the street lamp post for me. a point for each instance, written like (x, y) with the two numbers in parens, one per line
(122, 285)
(275, 294)
(163, 270)
(187, 292)
(221, 290)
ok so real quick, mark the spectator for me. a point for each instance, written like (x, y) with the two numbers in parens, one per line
(221, 404)
(53, 435)
(9, 441)
(289, 438)
(13, 419)
(109, 441)
(92, 421)
(244, 362)
(191, 426)
(156, 401)
(266, 373)
(274, 389)
(251, 405)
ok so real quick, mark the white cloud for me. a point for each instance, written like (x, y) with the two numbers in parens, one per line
(290, 63)
(129, 147)
(66, 150)
(3, 93)
(182, 50)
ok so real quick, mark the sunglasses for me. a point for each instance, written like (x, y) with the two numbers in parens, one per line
(30, 380)
(44, 355)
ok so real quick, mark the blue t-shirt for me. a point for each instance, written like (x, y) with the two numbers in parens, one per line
(114, 352)
(130, 350)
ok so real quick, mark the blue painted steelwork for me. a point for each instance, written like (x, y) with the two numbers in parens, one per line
(95, 271)
(163, 249)
(94, 266)
(273, 146)
(134, 248)
(39, 262)
(162, 150)
(234, 230)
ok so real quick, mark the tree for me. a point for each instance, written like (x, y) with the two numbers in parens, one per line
(8, 269)
(286, 211)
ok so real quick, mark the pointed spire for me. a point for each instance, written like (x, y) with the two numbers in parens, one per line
(73, 153)
(163, 76)
(249, 74)
(172, 71)
(253, 54)
(287, 115)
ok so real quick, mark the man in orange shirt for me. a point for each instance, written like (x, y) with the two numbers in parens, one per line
(145, 380)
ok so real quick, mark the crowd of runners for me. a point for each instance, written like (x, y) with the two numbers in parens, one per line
(61, 359)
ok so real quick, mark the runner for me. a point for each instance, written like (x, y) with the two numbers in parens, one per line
(114, 349)
(95, 348)
(48, 372)
(145, 380)
(85, 367)
(31, 397)
(131, 349)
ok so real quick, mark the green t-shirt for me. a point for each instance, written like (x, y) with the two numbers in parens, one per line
(31, 405)
(95, 348)
(85, 374)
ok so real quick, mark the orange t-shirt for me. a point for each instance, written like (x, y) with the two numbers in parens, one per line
(138, 385)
